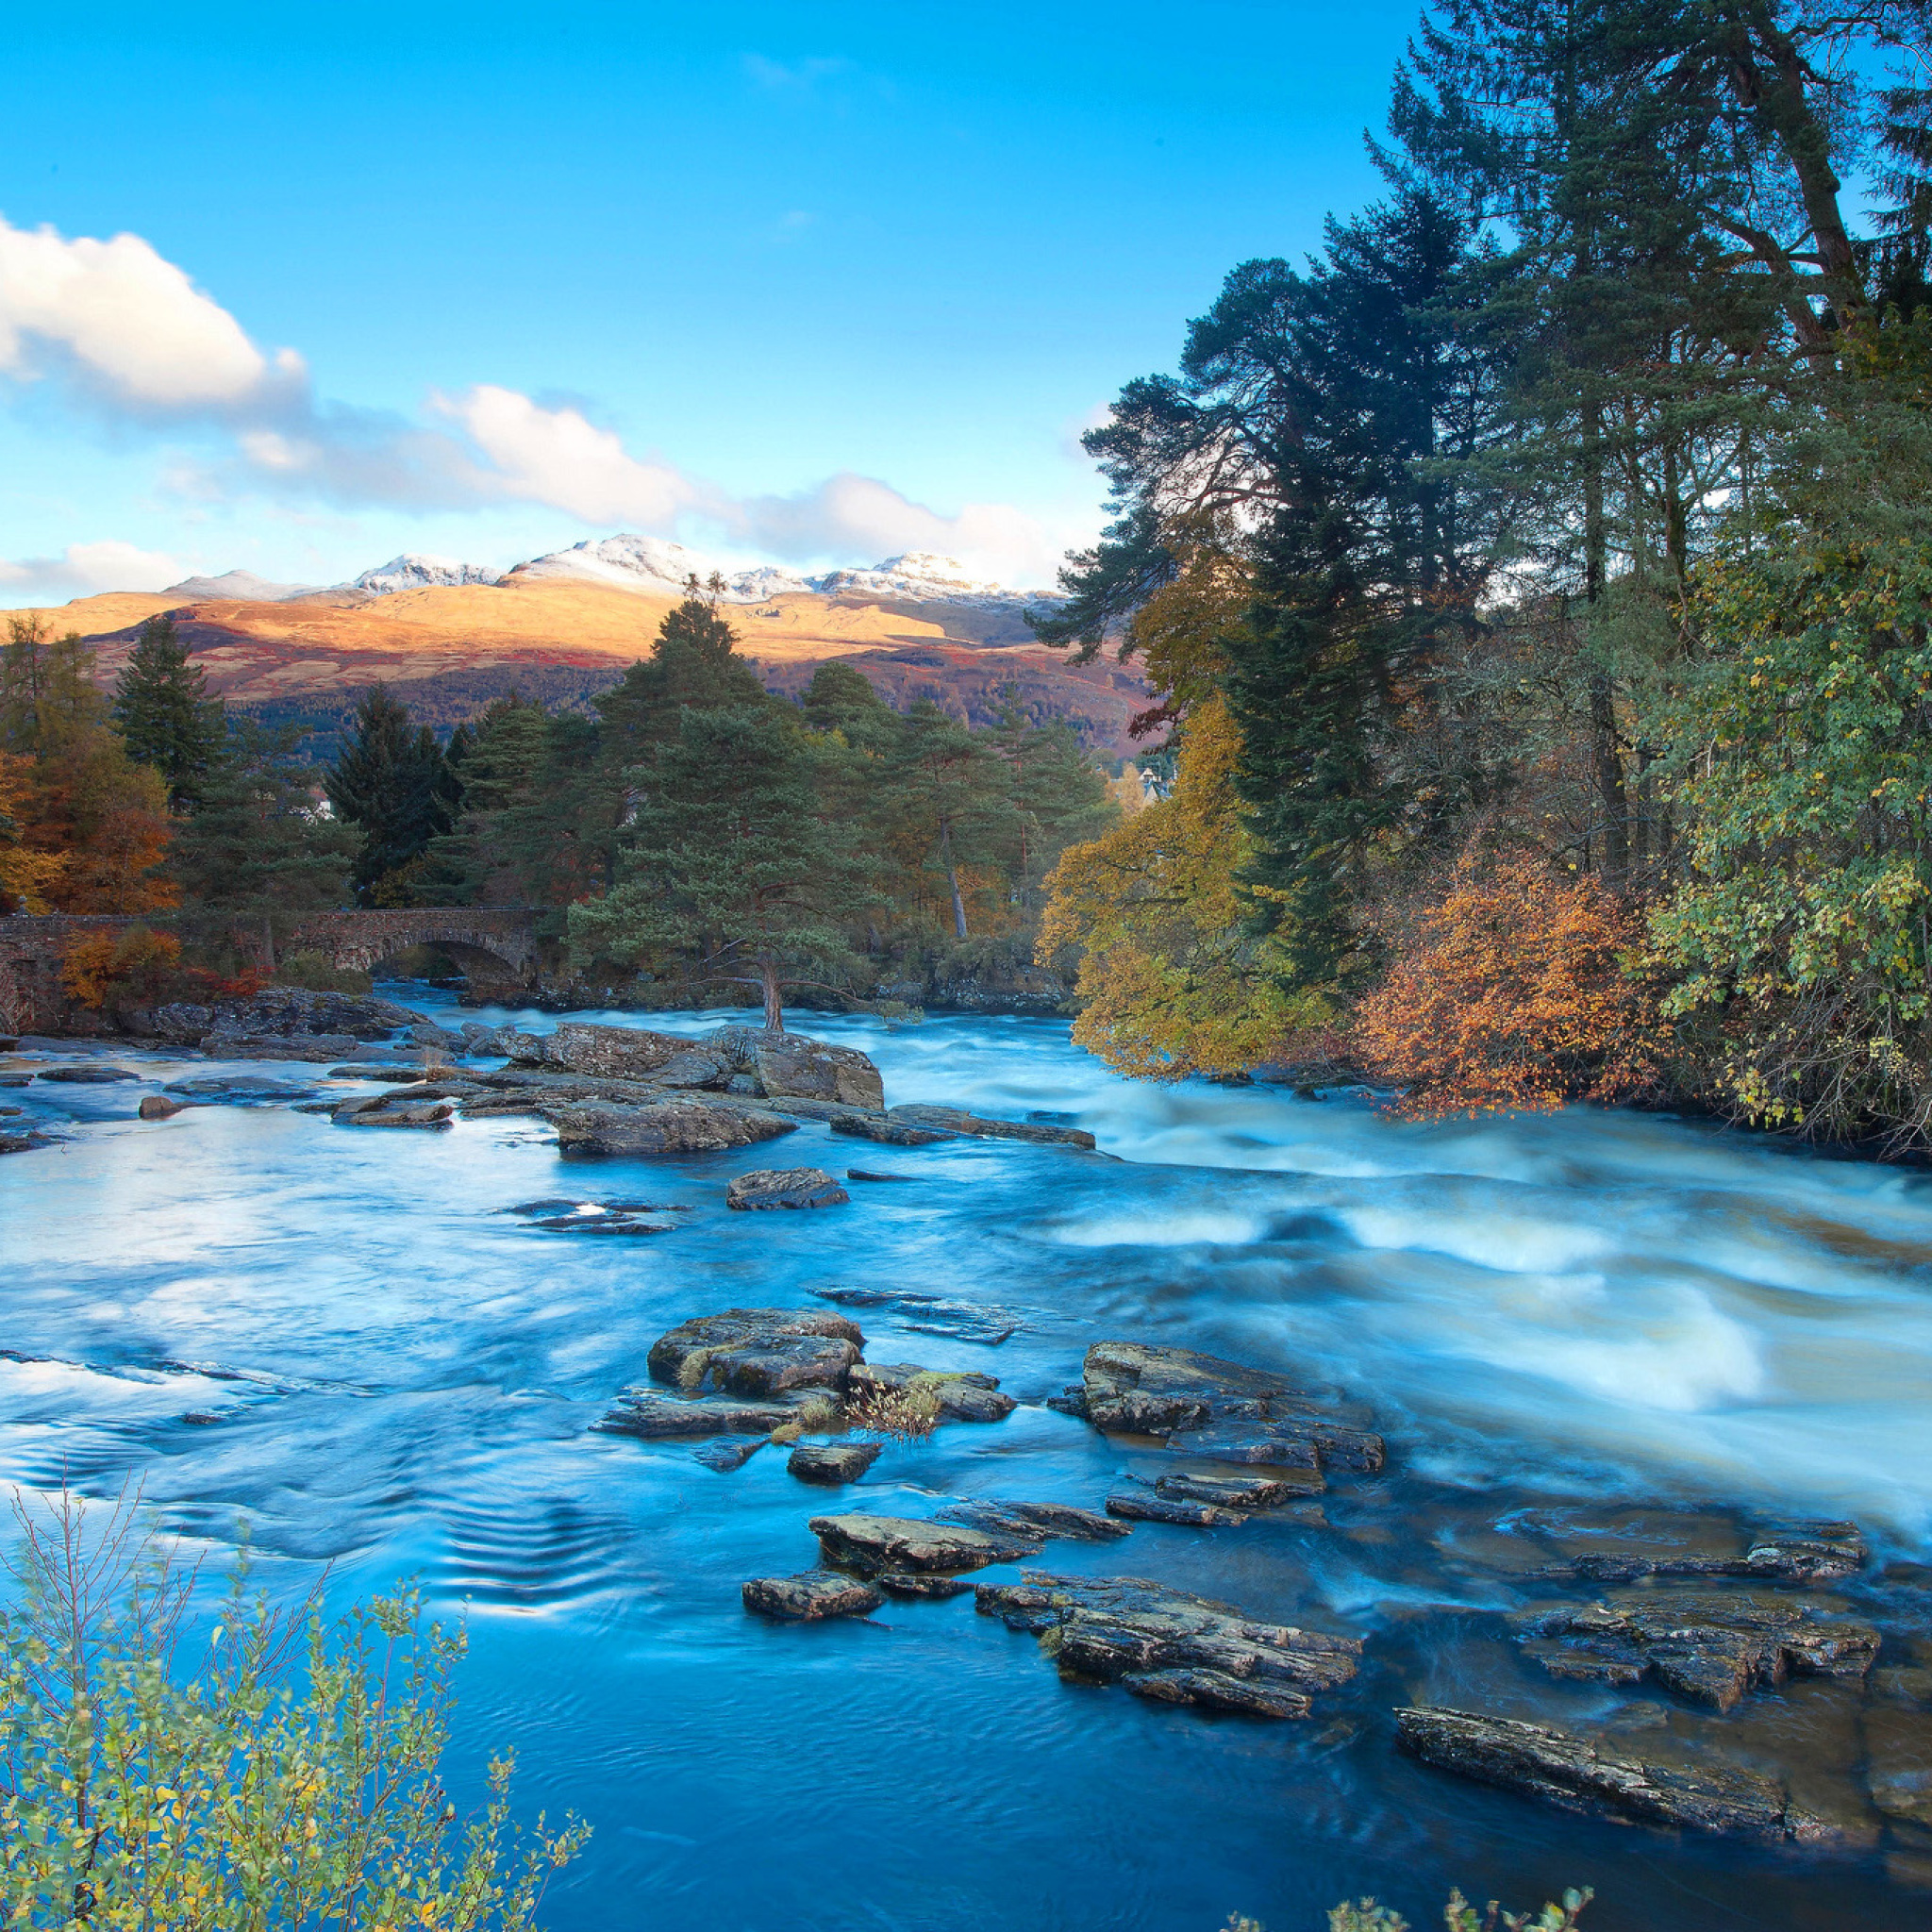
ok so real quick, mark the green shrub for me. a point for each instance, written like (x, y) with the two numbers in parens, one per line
(317, 973)
(276, 1775)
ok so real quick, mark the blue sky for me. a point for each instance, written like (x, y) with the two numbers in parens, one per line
(807, 282)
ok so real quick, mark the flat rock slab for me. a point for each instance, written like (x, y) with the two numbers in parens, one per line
(1004, 1517)
(1159, 1509)
(434, 1113)
(1709, 1647)
(929, 1314)
(1236, 1491)
(860, 1174)
(727, 1453)
(832, 1462)
(1292, 1442)
(759, 1352)
(1798, 1553)
(956, 1120)
(21, 1144)
(669, 1127)
(875, 1544)
(785, 1187)
(889, 1133)
(810, 1596)
(86, 1075)
(653, 1414)
(1579, 1775)
(1125, 1629)
(904, 1583)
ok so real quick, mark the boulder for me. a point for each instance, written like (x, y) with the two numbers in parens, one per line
(832, 1462)
(1235, 1491)
(157, 1107)
(21, 1144)
(761, 1353)
(86, 1075)
(807, 1598)
(1581, 1775)
(785, 1187)
(619, 1052)
(654, 1415)
(956, 1120)
(671, 1126)
(1158, 1508)
(1124, 1629)
(1219, 1411)
(788, 1064)
(873, 1544)
(1005, 1517)
(280, 1013)
(1708, 1646)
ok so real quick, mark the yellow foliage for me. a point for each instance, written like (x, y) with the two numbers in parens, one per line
(1177, 632)
(1173, 979)
(106, 967)
(26, 876)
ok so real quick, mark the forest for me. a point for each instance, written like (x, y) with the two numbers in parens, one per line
(1534, 590)
(1535, 586)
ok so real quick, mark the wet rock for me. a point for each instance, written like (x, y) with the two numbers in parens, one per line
(1898, 1773)
(1124, 1629)
(904, 1583)
(1708, 1646)
(929, 1314)
(669, 1127)
(395, 1072)
(859, 1173)
(201, 1417)
(809, 1597)
(86, 1075)
(1217, 1691)
(388, 1115)
(758, 1352)
(1235, 1491)
(832, 1462)
(654, 1415)
(616, 1052)
(788, 1064)
(963, 1395)
(601, 1224)
(956, 1120)
(1798, 1553)
(1541, 1763)
(1287, 1442)
(279, 1014)
(1159, 1509)
(1005, 1517)
(875, 1544)
(21, 1144)
(727, 1453)
(889, 1133)
(785, 1187)
(157, 1107)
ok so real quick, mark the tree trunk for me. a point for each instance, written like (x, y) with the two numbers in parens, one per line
(1603, 709)
(952, 880)
(775, 1009)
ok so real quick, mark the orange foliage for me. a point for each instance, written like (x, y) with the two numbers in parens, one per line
(106, 967)
(1510, 992)
(26, 877)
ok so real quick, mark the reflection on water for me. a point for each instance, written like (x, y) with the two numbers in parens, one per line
(1595, 1310)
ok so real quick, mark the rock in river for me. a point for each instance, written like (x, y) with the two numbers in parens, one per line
(1171, 1646)
(758, 1352)
(666, 1126)
(1158, 1508)
(1709, 1647)
(832, 1462)
(785, 1187)
(956, 1119)
(873, 1544)
(86, 1076)
(652, 1414)
(157, 1107)
(1541, 1763)
(807, 1597)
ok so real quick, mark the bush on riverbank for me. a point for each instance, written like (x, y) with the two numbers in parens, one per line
(272, 1772)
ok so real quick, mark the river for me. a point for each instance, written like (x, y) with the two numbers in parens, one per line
(1548, 1317)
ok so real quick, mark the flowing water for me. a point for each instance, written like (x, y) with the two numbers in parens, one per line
(1550, 1319)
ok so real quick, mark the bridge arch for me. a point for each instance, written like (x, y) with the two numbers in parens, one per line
(490, 942)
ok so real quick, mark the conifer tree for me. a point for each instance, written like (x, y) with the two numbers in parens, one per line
(395, 786)
(166, 715)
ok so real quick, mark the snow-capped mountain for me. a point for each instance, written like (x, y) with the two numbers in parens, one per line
(236, 586)
(413, 571)
(658, 568)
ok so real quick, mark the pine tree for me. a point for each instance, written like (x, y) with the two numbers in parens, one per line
(395, 786)
(953, 792)
(166, 715)
(731, 863)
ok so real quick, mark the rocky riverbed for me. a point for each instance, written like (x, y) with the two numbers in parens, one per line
(1544, 1505)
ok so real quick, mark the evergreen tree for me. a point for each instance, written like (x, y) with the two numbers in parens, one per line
(395, 786)
(952, 792)
(731, 863)
(166, 716)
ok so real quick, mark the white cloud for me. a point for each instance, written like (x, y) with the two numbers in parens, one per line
(127, 324)
(84, 568)
(134, 331)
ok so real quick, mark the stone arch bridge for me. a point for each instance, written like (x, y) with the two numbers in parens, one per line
(496, 945)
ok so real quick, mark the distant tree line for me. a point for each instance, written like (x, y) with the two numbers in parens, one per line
(1536, 588)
